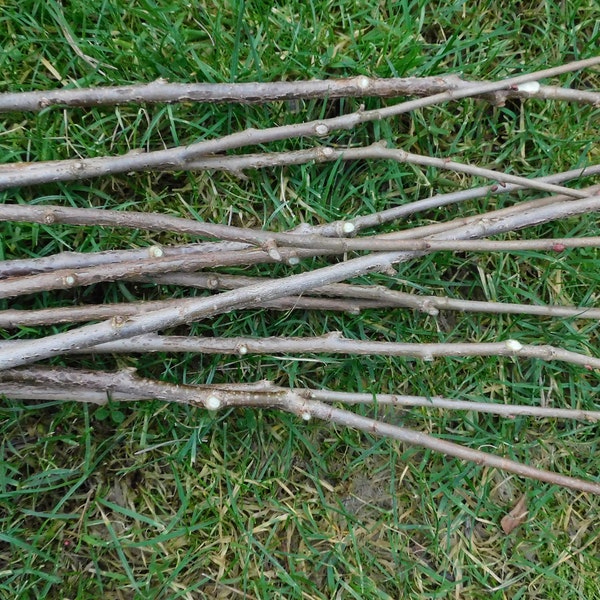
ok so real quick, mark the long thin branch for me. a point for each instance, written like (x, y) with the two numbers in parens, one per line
(348, 298)
(157, 222)
(83, 260)
(375, 151)
(194, 309)
(437, 201)
(380, 150)
(51, 214)
(189, 310)
(551, 92)
(379, 293)
(242, 93)
(416, 438)
(69, 278)
(264, 395)
(153, 221)
(89, 216)
(457, 240)
(31, 174)
(135, 269)
(236, 164)
(333, 343)
(433, 304)
(520, 215)
(14, 318)
(79, 393)
(250, 93)
(505, 410)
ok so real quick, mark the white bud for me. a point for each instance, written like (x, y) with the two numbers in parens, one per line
(348, 227)
(513, 345)
(306, 416)
(531, 87)
(212, 403)
(242, 349)
(363, 82)
(274, 253)
(271, 247)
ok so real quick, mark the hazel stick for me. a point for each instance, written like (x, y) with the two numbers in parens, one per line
(178, 158)
(265, 395)
(253, 93)
(198, 308)
(333, 343)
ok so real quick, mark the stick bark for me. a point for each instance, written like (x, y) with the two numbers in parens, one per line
(178, 158)
(265, 395)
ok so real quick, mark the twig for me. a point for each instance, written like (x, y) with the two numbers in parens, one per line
(381, 294)
(52, 214)
(454, 239)
(265, 395)
(178, 158)
(438, 200)
(333, 343)
(237, 164)
(505, 410)
(349, 298)
(157, 222)
(69, 278)
(57, 214)
(80, 393)
(194, 309)
(127, 384)
(550, 92)
(433, 304)
(379, 150)
(520, 215)
(251, 93)
(415, 438)
(90, 216)
(82, 260)
(376, 151)
(189, 310)
(13, 318)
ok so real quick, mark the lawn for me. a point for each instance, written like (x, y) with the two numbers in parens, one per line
(150, 500)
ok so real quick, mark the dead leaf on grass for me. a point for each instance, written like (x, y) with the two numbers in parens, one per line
(515, 517)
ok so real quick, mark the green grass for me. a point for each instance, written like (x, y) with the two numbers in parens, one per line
(152, 501)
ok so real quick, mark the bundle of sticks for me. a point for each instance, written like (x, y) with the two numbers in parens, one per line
(135, 326)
